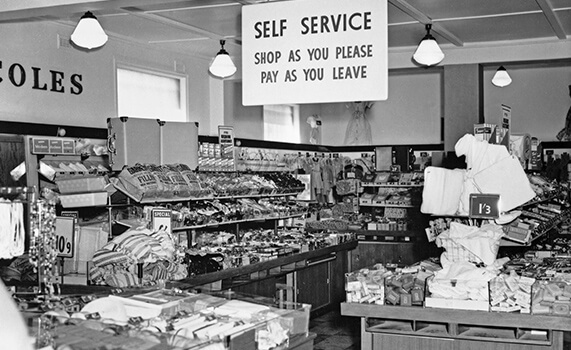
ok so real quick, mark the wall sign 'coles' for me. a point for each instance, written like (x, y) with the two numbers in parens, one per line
(40, 79)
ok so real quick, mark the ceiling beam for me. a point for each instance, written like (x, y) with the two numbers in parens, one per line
(11, 10)
(424, 19)
(176, 24)
(552, 18)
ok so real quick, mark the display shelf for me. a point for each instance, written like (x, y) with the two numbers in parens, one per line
(467, 329)
(508, 243)
(389, 205)
(452, 316)
(379, 236)
(232, 222)
(196, 199)
(372, 184)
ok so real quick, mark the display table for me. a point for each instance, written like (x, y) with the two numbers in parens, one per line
(397, 327)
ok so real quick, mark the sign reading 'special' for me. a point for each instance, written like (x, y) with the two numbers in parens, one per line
(314, 51)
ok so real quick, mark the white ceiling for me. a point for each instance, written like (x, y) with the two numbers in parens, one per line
(194, 26)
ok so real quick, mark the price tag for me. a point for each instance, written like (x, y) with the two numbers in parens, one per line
(484, 206)
(65, 236)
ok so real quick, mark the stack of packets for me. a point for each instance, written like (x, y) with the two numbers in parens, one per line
(511, 293)
(407, 286)
(392, 286)
(551, 298)
(367, 285)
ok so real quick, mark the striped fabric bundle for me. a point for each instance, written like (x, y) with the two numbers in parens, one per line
(115, 263)
(134, 244)
(166, 243)
(105, 257)
(121, 280)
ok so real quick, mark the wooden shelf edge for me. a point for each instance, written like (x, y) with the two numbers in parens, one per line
(466, 317)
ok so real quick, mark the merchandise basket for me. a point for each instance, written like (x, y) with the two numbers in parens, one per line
(457, 252)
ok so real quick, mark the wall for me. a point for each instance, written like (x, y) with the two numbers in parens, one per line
(538, 95)
(34, 44)
(416, 97)
(247, 121)
(411, 115)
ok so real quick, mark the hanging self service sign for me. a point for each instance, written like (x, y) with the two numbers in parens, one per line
(314, 51)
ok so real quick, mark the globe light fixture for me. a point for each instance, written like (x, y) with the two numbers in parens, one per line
(428, 52)
(501, 78)
(88, 33)
(222, 65)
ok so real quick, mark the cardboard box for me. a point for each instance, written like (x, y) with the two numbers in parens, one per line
(83, 200)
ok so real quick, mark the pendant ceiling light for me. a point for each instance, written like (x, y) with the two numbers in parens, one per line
(88, 33)
(428, 52)
(501, 78)
(222, 65)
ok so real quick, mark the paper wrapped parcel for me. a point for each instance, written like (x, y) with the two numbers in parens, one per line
(490, 169)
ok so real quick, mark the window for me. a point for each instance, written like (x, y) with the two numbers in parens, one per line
(149, 94)
(281, 123)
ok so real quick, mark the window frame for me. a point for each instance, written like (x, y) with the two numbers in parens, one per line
(296, 123)
(182, 78)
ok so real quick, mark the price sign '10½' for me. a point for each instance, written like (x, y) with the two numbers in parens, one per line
(484, 206)
(65, 236)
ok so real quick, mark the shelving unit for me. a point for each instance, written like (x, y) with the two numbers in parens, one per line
(390, 244)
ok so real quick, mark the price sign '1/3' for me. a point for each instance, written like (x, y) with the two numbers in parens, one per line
(65, 236)
(484, 206)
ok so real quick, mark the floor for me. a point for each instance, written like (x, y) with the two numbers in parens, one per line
(336, 332)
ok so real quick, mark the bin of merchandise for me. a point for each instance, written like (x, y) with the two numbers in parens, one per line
(551, 297)
(511, 293)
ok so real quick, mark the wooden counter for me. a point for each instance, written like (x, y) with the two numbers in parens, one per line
(250, 273)
(397, 327)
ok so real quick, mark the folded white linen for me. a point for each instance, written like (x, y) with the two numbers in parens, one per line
(442, 190)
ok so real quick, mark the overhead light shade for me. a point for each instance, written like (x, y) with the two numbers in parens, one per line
(428, 52)
(501, 78)
(222, 65)
(88, 33)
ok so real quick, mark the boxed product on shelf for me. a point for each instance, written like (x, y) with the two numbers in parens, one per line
(83, 199)
(367, 285)
(511, 293)
(405, 289)
(551, 298)
(82, 184)
(366, 198)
